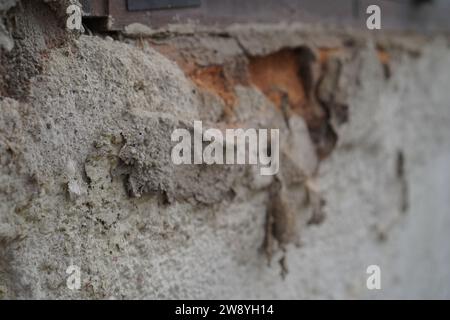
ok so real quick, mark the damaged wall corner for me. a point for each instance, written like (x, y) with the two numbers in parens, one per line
(86, 175)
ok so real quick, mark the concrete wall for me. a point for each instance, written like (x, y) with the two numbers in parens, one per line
(86, 177)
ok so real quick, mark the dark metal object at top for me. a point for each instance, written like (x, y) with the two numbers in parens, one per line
(110, 15)
(137, 5)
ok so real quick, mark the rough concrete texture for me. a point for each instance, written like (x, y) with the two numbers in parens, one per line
(86, 177)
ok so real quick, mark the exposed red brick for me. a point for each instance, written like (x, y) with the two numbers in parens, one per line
(214, 80)
(277, 75)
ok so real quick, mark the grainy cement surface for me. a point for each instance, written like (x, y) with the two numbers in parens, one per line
(85, 179)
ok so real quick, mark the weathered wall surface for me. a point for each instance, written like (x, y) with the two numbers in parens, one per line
(86, 177)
